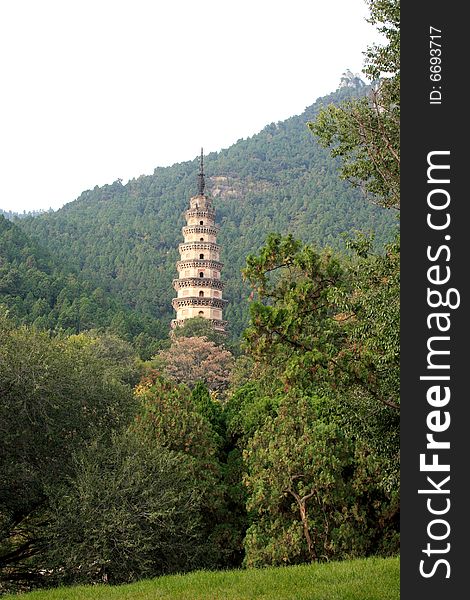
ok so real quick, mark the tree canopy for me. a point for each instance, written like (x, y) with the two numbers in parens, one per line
(57, 395)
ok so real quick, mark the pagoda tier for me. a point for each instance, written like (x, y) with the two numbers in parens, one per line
(199, 287)
(203, 264)
(198, 213)
(200, 230)
(178, 303)
(198, 282)
(210, 246)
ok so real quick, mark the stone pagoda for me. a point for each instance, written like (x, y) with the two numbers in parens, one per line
(198, 287)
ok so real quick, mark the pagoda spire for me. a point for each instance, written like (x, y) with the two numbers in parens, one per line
(200, 177)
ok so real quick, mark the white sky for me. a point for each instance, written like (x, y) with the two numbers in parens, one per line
(96, 90)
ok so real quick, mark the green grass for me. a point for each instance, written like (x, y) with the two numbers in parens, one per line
(368, 579)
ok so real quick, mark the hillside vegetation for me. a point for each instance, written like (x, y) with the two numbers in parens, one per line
(123, 239)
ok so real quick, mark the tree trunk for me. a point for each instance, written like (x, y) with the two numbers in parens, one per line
(303, 516)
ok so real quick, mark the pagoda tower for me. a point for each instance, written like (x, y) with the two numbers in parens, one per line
(199, 287)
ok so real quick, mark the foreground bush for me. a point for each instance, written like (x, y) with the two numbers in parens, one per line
(132, 511)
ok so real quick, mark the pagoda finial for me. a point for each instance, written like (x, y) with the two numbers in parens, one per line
(200, 177)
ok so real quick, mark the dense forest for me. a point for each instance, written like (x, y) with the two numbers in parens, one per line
(36, 289)
(123, 239)
(126, 452)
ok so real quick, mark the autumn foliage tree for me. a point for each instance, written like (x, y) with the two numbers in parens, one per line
(193, 359)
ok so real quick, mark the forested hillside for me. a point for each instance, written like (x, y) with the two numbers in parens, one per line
(37, 290)
(123, 239)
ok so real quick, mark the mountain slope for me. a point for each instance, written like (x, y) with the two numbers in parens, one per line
(35, 290)
(124, 238)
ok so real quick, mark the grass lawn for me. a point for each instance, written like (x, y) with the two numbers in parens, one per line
(367, 579)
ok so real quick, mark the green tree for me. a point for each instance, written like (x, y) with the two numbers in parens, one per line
(56, 397)
(327, 322)
(191, 423)
(312, 494)
(293, 311)
(198, 327)
(132, 510)
(119, 356)
(169, 413)
(207, 405)
(323, 328)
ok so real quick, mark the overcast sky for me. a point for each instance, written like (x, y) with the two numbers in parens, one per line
(96, 90)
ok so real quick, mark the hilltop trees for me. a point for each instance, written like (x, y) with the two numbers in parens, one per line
(37, 291)
(123, 239)
(365, 132)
